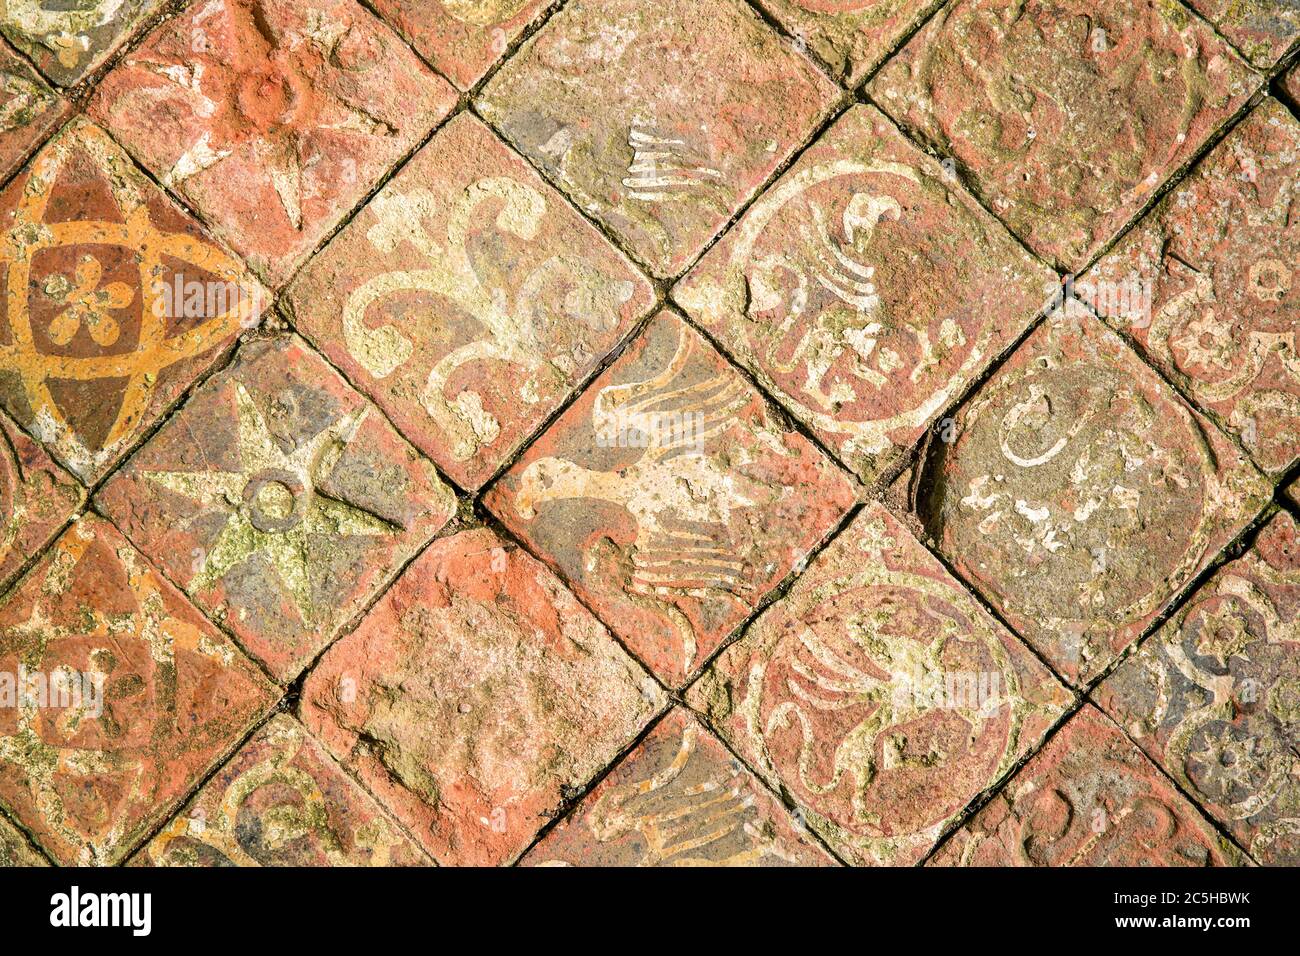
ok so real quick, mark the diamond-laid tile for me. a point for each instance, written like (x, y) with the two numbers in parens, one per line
(68, 39)
(280, 500)
(1261, 29)
(1068, 115)
(1081, 492)
(281, 801)
(469, 299)
(1214, 695)
(36, 498)
(475, 697)
(851, 37)
(658, 117)
(272, 118)
(1089, 798)
(672, 496)
(29, 110)
(462, 38)
(879, 695)
(14, 848)
(1205, 284)
(678, 799)
(101, 333)
(141, 696)
(866, 290)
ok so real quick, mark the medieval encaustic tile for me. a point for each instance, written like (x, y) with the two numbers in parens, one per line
(122, 696)
(1261, 29)
(658, 117)
(852, 37)
(1089, 798)
(462, 38)
(273, 119)
(1067, 116)
(281, 801)
(1081, 493)
(879, 695)
(469, 299)
(673, 497)
(1214, 695)
(280, 500)
(1208, 285)
(116, 300)
(29, 110)
(866, 290)
(679, 799)
(67, 39)
(476, 697)
(37, 497)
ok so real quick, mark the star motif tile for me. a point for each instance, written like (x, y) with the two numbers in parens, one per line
(125, 697)
(672, 497)
(866, 291)
(657, 117)
(100, 333)
(273, 119)
(879, 695)
(1214, 695)
(1209, 285)
(1066, 117)
(280, 500)
(468, 299)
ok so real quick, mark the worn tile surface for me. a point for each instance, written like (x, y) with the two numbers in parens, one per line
(15, 850)
(69, 39)
(866, 291)
(36, 498)
(94, 344)
(879, 695)
(90, 771)
(1214, 695)
(1261, 29)
(272, 118)
(1207, 285)
(280, 500)
(659, 117)
(476, 697)
(1088, 799)
(469, 299)
(281, 801)
(1080, 492)
(672, 497)
(679, 799)
(29, 111)
(1065, 116)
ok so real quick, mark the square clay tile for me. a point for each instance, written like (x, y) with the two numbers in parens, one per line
(14, 848)
(121, 300)
(281, 801)
(280, 500)
(462, 38)
(879, 695)
(660, 118)
(852, 37)
(476, 697)
(1261, 29)
(679, 799)
(68, 39)
(37, 498)
(1081, 493)
(1065, 116)
(866, 291)
(272, 118)
(1214, 695)
(29, 110)
(673, 497)
(1209, 285)
(125, 696)
(468, 299)
(1089, 798)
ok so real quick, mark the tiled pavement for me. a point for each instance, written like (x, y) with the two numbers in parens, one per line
(787, 432)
